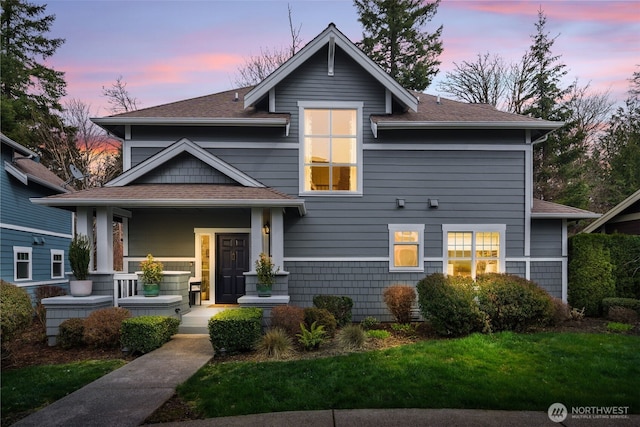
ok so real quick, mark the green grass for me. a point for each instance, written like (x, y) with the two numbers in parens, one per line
(28, 389)
(504, 371)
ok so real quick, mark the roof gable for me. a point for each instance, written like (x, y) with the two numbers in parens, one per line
(173, 151)
(616, 210)
(333, 37)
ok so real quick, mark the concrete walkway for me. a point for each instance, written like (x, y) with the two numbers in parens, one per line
(129, 395)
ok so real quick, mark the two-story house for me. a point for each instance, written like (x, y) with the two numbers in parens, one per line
(351, 182)
(34, 239)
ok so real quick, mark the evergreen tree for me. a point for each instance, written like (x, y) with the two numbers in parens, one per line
(28, 89)
(394, 38)
(619, 153)
(557, 172)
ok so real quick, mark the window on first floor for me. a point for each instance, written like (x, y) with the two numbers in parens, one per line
(22, 263)
(57, 263)
(406, 247)
(472, 250)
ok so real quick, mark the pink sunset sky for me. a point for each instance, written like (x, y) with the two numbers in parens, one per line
(172, 50)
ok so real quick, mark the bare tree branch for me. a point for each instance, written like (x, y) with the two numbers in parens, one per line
(119, 98)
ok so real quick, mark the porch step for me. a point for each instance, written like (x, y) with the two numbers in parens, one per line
(184, 329)
(197, 320)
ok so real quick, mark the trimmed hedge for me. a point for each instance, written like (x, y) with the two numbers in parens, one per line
(590, 273)
(146, 333)
(339, 306)
(16, 311)
(236, 329)
(448, 303)
(630, 303)
(625, 257)
(513, 303)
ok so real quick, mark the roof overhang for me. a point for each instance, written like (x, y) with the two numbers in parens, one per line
(573, 216)
(540, 128)
(26, 178)
(608, 216)
(191, 121)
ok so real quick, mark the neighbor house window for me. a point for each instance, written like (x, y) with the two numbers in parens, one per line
(331, 155)
(22, 263)
(406, 247)
(57, 263)
(472, 250)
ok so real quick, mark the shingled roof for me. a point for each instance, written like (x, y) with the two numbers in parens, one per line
(543, 209)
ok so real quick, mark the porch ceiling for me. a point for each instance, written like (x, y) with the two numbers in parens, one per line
(175, 195)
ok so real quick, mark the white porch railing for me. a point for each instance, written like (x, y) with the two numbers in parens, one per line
(124, 286)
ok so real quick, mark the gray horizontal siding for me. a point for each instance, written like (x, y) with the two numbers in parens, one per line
(546, 238)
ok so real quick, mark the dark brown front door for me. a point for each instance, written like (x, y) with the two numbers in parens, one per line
(232, 259)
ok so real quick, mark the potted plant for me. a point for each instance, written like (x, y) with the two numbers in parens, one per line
(151, 276)
(79, 258)
(266, 272)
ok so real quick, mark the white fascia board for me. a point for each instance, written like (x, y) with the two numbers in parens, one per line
(18, 147)
(179, 147)
(565, 216)
(403, 95)
(168, 203)
(545, 125)
(613, 212)
(16, 173)
(191, 121)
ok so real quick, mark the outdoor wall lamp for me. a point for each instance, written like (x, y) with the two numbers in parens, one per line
(266, 228)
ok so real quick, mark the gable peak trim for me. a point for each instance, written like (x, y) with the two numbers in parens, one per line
(183, 145)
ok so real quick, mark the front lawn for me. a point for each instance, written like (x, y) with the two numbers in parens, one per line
(504, 371)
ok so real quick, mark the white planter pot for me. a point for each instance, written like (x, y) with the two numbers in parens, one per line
(80, 288)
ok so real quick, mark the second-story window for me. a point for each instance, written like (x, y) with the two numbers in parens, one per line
(331, 150)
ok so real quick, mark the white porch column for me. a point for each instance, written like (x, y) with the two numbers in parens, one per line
(104, 239)
(256, 236)
(277, 237)
(84, 225)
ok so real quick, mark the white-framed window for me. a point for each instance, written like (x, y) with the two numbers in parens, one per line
(470, 250)
(406, 247)
(330, 148)
(57, 263)
(22, 262)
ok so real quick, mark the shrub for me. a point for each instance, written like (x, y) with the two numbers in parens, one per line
(70, 333)
(399, 300)
(447, 302)
(405, 329)
(276, 343)
(339, 306)
(630, 303)
(235, 330)
(351, 337)
(619, 327)
(368, 323)
(622, 314)
(561, 311)
(590, 273)
(311, 338)
(46, 291)
(146, 333)
(288, 318)
(625, 257)
(16, 311)
(513, 303)
(322, 317)
(378, 334)
(102, 327)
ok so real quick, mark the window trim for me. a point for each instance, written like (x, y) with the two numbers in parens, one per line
(18, 250)
(331, 105)
(55, 252)
(419, 228)
(473, 228)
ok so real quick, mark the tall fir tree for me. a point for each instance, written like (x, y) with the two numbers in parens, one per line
(30, 92)
(558, 161)
(394, 37)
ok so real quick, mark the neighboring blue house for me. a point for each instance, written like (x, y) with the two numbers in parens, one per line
(35, 239)
(351, 182)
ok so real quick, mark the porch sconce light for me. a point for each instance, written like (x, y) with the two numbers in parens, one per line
(400, 203)
(266, 228)
(433, 203)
